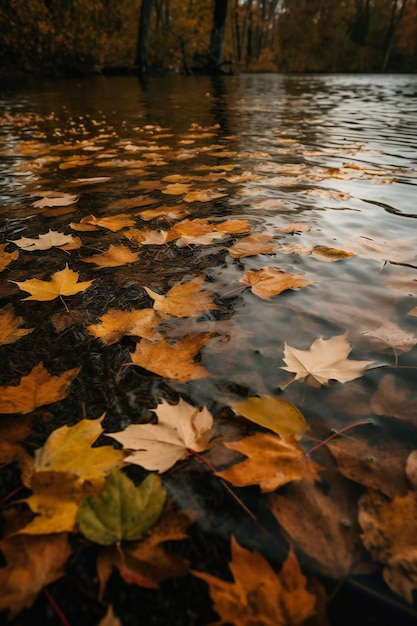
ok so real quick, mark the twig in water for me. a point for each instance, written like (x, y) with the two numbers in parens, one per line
(335, 434)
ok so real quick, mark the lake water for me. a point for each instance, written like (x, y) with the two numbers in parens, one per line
(336, 155)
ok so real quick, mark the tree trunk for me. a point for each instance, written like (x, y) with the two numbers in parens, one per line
(395, 19)
(218, 33)
(143, 37)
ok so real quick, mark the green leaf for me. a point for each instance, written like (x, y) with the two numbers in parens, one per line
(278, 415)
(122, 511)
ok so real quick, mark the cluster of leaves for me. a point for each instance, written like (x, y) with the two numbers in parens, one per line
(125, 501)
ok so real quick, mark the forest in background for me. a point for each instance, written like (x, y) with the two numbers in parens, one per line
(72, 36)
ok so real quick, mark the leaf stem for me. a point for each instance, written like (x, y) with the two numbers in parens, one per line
(56, 607)
(335, 434)
(203, 460)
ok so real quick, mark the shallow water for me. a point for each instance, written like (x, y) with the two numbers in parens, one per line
(337, 154)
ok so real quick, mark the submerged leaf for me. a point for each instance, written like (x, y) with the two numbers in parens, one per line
(10, 326)
(122, 512)
(278, 415)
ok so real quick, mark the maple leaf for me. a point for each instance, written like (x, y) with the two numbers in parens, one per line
(331, 254)
(147, 563)
(62, 283)
(259, 595)
(393, 336)
(52, 239)
(200, 240)
(7, 257)
(258, 243)
(320, 520)
(122, 512)
(147, 237)
(110, 618)
(325, 360)
(184, 299)
(206, 195)
(295, 227)
(113, 257)
(36, 389)
(389, 533)
(277, 414)
(172, 360)
(55, 198)
(116, 324)
(269, 281)
(170, 213)
(272, 462)
(394, 401)
(10, 323)
(175, 189)
(112, 222)
(68, 449)
(32, 564)
(180, 428)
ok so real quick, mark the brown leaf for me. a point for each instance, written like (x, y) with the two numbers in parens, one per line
(331, 254)
(258, 243)
(393, 401)
(113, 222)
(295, 227)
(7, 257)
(146, 237)
(176, 189)
(269, 281)
(147, 563)
(116, 324)
(411, 469)
(206, 195)
(389, 533)
(258, 595)
(172, 360)
(184, 299)
(392, 336)
(321, 521)
(115, 256)
(10, 323)
(272, 462)
(168, 212)
(32, 564)
(36, 389)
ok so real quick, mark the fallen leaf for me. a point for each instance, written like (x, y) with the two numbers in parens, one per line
(258, 243)
(176, 189)
(269, 281)
(277, 414)
(180, 428)
(32, 564)
(321, 521)
(331, 254)
(294, 248)
(69, 449)
(272, 462)
(122, 512)
(258, 595)
(413, 312)
(10, 326)
(172, 360)
(112, 222)
(200, 240)
(116, 324)
(393, 401)
(36, 389)
(294, 227)
(7, 257)
(183, 299)
(147, 563)
(115, 256)
(132, 203)
(110, 618)
(55, 198)
(393, 336)
(147, 237)
(168, 212)
(206, 195)
(389, 533)
(52, 239)
(62, 283)
(325, 360)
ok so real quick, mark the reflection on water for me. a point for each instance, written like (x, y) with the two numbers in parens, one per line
(336, 154)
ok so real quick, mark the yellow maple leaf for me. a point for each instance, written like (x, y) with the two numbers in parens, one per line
(276, 414)
(62, 283)
(36, 389)
(331, 254)
(112, 222)
(147, 236)
(113, 257)
(184, 299)
(172, 360)
(269, 281)
(10, 324)
(7, 257)
(257, 243)
(259, 595)
(272, 462)
(116, 324)
(169, 212)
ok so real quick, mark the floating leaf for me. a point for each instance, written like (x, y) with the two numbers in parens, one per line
(295, 227)
(36, 389)
(258, 243)
(10, 326)
(331, 254)
(55, 198)
(168, 212)
(184, 299)
(62, 283)
(325, 360)
(122, 512)
(180, 428)
(116, 324)
(7, 257)
(269, 281)
(147, 237)
(113, 257)
(206, 195)
(259, 595)
(272, 462)
(278, 415)
(52, 239)
(112, 222)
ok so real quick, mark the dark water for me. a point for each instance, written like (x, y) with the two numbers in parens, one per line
(335, 153)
